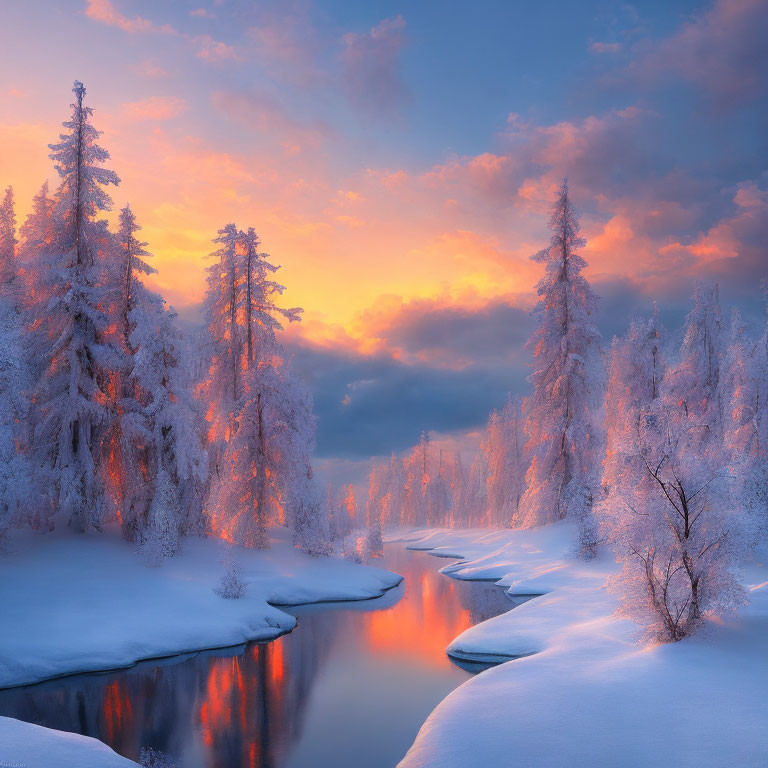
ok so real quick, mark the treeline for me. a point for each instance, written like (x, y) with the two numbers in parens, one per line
(659, 452)
(100, 419)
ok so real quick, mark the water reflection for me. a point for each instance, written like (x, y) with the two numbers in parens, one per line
(351, 686)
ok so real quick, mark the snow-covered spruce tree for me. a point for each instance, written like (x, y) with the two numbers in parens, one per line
(37, 277)
(69, 398)
(262, 315)
(132, 263)
(637, 367)
(222, 387)
(439, 494)
(695, 381)
(562, 419)
(8, 240)
(674, 527)
(160, 534)
(15, 473)
(458, 493)
(476, 493)
(504, 449)
(37, 229)
(265, 470)
(417, 483)
(744, 384)
(264, 473)
(125, 460)
(166, 429)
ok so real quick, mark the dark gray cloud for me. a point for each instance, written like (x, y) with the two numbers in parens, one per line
(372, 405)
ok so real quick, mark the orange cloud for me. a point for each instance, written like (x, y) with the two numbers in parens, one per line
(105, 12)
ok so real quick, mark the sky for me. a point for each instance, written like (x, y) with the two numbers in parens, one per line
(398, 159)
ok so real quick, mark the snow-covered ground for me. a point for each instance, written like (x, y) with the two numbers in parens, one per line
(586, 692)
(24, 745)
(73, 603)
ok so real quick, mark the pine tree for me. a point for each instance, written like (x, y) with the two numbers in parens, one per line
(503, 447)
(16, 506)
(70, 399)
(166, 428)
(133, 262)
(223, 387)
(744, 385)
(8, 240)
(561, 423)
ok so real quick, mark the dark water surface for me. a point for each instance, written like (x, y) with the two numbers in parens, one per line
(350, 686)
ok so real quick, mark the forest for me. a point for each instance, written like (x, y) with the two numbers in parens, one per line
(656, 447)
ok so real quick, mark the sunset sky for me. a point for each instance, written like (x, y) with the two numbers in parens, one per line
(398, 159)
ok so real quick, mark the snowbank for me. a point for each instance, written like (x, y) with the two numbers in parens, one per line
(32, 746)
(585, 692)
(73, 603)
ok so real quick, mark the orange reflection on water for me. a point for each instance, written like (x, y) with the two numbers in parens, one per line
(425, 622)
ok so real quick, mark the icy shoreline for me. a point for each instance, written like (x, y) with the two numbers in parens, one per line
(88, 603)
(581, 690)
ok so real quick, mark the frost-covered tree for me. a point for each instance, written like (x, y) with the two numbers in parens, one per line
(744, 385)
(504, 449)
(562, 421)
(669, 508)
(37, 229)
(69, 398)
(476, 493)
(265, 439)
(439, 494)
(38, 277)
(8, 240)
(262, 315)
(16, 505)
(637, 367)
(165, 431)
(695, 380)
(131, 264)
(222, 387)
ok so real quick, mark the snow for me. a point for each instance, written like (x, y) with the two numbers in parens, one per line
(585, 690)
(33, 746)
(86, 602)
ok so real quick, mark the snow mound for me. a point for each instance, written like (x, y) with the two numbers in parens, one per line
(33, 746)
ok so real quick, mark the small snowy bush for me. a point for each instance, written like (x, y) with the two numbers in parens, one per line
(231, 586)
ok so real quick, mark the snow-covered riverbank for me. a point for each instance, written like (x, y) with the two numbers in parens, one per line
(73, 603)
(586, 692)
(23, 745)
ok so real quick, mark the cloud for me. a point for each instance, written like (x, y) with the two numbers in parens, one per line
(722, 51)
(206, 47)
(371, 68)
(287, 41)
(106, 12)
(264, 113)
(209, 49)
(389, 402)
(154, 109)
(444, 334)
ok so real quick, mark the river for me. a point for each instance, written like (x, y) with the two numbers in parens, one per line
(349, 687)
